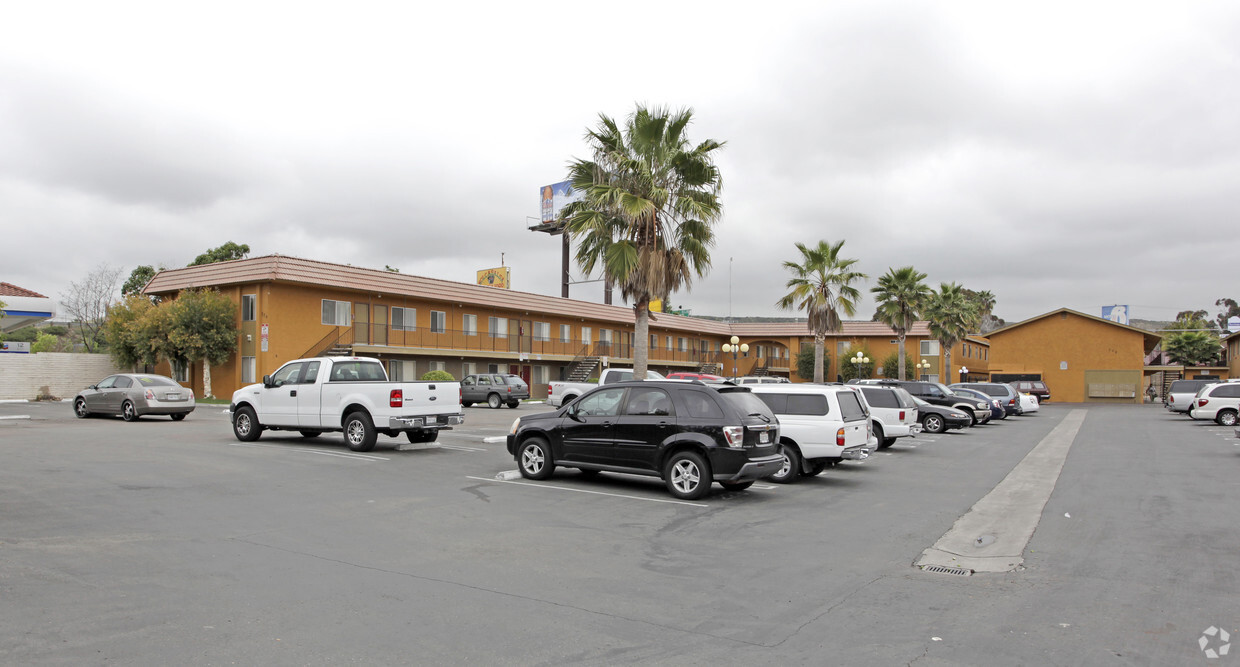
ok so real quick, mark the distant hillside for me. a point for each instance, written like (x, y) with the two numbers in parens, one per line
(1149, 325)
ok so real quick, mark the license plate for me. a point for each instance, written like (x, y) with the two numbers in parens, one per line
(172, 397)
(764, 437)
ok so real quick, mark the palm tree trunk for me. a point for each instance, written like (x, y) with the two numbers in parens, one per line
(206, 378)
(819, 341)
(641, 346)
(947, 372)
(901, 353)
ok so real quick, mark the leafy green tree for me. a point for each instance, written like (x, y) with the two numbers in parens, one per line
(822, 287)
(1189, 320)
(227, 252)
(649, 202)
(901, 294)
(951, 316)
(1230, 309)
(138, 279)
(1193, 348)
(137, 332)
(805, 363)
(850, 370)
(892, 361)
(49, 342)
(202, 327)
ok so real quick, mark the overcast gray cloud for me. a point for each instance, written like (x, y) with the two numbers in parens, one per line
(1056, 154)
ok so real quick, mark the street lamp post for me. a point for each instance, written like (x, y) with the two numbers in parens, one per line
(734, 348)
(964, 374)
(859, 360)
(922, 367)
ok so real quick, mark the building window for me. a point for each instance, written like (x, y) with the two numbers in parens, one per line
(404, 319)
(336, 313)
(439, 321)
(654, 341)
(469, 323)
(497, 327)
(682, 345)
(541, 375)
(439, 366)
(542, 331)
(842, 348)
(248, 302)
(180, 371)
(585, 335)
(566, 333)
(469, 368)
(604, 335)
(248, 370)
(668, 342)
(401, 371)
(929, 348)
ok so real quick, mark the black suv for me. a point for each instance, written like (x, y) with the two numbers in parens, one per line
(685, 432)
(938, 394)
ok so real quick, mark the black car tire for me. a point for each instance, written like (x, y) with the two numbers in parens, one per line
(736, 486)
(310, 434)
(882, 441)
(246, 426)
(79, 408)
(493, 401)
(1226, 418)
(359, 432)
(934, 424)
(129, 412)
(534, 459)
(687, 475)
(816, 469)
(887, 442)
(791, 467)
(422, 436)
(466, 404)
(178, 416)
(514, 404)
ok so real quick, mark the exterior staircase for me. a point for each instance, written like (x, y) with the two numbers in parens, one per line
(709, 368)
(582, 369)
(338, 350)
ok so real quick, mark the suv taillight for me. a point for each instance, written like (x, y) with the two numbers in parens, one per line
(901, 415)
(839, 437)
(548, 391)
(1201, 402)
(735, 435)
(396, 399)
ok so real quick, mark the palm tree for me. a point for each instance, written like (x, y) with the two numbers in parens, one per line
(901, 295)
(822, 287)
(951, 315)
(649, 201)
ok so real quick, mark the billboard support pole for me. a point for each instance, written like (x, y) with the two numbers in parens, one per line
(564, 267)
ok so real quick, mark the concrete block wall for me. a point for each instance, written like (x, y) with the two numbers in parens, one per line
(58, 374)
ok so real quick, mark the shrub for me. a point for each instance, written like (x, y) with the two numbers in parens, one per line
(438, 376)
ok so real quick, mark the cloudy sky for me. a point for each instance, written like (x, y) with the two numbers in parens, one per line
(1074, 154)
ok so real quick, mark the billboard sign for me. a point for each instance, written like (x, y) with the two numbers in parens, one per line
(499, 277)
(1117, 314)
(14, 347)
(555, 197)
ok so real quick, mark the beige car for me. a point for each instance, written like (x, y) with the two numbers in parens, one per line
(132, 395)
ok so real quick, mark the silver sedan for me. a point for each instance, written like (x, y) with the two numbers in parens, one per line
(132, 395)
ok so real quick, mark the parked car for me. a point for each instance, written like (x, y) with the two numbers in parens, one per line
(494, 389)
(562, 393)
(686, 433)
(1181, 393)
(937, 419)
(1006, 393)
(996, 408)
(686, 375)
(132, 395)
(1220, 402)
(760, 379)
(819, 425)
(893, 413)
(938, 394)
(1028, 404)
(1036, 387)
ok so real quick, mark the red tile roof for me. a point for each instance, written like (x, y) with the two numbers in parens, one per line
(9, 289)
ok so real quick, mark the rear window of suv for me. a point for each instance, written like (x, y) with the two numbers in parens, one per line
(1189, 386)
(850, 406)
(796, 404)
(747, 403)
(988, 389)
(880, 398)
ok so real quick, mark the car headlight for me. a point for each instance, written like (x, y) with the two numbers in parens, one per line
(513, 430)
(958, 415)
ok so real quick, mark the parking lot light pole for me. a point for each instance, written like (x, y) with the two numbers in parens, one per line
(922, 367)
(964, 374)
(734, 348)
(859, 360)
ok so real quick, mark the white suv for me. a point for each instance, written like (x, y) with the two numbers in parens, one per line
(819, 425)
(893, 413)
(1220, 402)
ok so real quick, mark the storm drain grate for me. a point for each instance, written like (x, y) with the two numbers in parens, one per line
(941, 569)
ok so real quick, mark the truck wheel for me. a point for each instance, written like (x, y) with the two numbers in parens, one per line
(359, 432)
(791, 467)
(687, 475)
(310, 434)
(466, 404)
(514, 404)
(887, 442)
(422, 436)
(534, 459)
(736, 486)
(882, 441)
(493, 401)
(816, 469)
(246, 426)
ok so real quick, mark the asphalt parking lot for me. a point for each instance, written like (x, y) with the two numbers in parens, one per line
(160, 542)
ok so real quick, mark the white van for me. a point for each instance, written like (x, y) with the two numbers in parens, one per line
(893, 412)
(819, 425)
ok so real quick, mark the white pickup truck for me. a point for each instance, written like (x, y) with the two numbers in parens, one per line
(349, 394)
(562, 393)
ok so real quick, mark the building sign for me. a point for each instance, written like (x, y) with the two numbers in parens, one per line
(1117, 314)
(555, 197)
(499, 277)
(263, 346)
(15, 347)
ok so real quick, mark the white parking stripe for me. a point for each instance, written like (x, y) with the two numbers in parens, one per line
(597, 493)
(360, 457)
(462, 448)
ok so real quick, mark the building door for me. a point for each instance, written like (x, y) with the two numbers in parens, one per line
(361, 323)
(381, 325)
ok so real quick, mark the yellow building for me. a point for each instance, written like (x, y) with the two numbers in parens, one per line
(1079, 356)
